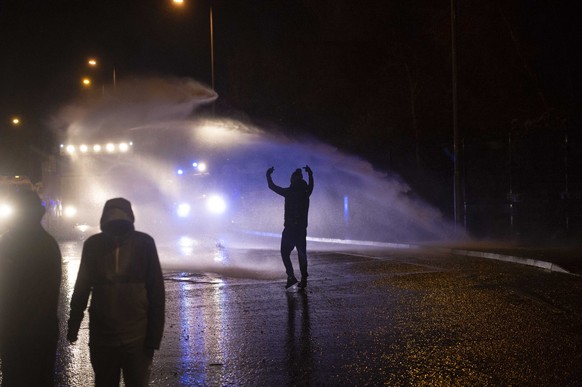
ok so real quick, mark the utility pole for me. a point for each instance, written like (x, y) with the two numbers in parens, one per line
(457, 187)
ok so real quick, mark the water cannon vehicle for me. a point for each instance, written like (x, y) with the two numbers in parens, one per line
(171, 193)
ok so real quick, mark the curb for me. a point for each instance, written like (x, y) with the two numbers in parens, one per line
(552, 267)
(549, 266)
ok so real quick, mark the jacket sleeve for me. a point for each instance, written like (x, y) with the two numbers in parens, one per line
(156, 299)
(80, 296)
(274, 187)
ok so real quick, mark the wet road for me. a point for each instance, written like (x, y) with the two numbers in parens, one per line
(373, 317)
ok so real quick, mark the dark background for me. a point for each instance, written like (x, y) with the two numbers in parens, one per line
(372, 78)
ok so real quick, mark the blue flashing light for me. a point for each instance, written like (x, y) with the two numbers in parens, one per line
(346, 210)
(180, 172)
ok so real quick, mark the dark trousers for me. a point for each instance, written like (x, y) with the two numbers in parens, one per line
(30, 362)
(294, 237)
(132, 359)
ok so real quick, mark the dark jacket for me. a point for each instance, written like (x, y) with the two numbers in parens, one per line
(296, 200)
(30, 278)
(121, 270)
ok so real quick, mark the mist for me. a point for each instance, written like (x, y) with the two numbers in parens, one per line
(352, 203)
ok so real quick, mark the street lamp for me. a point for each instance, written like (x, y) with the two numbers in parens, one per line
(86, 82)
(15, 121)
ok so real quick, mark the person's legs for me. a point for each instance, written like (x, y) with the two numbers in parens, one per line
(106, 362)
(30, 363)
(301, 245)
(13, 367)
(136, 365)
(287, 246)
(47, 357)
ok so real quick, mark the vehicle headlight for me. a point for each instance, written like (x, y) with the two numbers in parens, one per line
(69, 211)
(6, 211)
(216, 204)
(183, 210)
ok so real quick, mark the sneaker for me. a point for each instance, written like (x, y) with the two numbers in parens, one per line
(302, 283)
(290, 282)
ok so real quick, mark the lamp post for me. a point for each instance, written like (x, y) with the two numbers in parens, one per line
(211, 44)
(457, 188)
(180, 3)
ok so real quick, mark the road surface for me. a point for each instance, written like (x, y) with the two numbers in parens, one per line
(368, 317)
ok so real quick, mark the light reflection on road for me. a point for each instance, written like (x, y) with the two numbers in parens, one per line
(214, 332)
(73, 363)
(187, 330)
(201, 307)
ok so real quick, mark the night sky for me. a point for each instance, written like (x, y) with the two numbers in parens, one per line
(372, 78)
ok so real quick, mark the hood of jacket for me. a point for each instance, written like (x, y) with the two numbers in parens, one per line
(30, 209)
(117, 217)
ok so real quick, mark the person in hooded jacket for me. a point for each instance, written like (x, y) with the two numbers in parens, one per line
(295, 226)
(120, 269)
(30, 280)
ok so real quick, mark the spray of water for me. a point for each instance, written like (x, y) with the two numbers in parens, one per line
(352, 203)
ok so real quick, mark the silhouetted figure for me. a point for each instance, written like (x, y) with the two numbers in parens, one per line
(296, 213)
(30, 280)
(121, 271)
